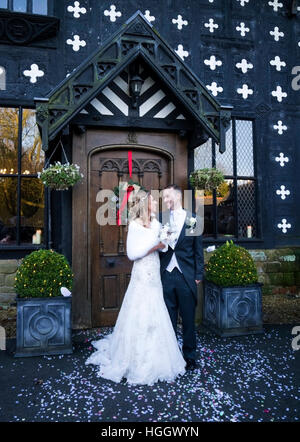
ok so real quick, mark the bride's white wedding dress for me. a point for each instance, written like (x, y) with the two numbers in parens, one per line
(142, 347)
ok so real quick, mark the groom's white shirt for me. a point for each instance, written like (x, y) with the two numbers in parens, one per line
(178, 216)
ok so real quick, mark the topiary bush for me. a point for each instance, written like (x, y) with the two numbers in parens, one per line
(42, 273)
(231, 265)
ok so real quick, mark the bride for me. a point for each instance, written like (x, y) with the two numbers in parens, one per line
(142, 347)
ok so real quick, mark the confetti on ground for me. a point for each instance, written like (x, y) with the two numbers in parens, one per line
(247, 378)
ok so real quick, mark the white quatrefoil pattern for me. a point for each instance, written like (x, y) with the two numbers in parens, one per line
(212, 62)
(211, 25)
(214, 88)
(112, 13)
(181, 52)
(244, 66)
(76, 43)
(148, 16)
(179, 22)
(245, 91)
(280, 127)
(34, 73)
(284, 225)
(216, 62)
(76, 9)
(282, 159)
(282, 192)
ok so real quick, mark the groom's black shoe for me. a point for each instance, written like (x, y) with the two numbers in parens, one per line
(191, 364)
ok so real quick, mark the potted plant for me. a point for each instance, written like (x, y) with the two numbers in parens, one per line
(206, 179)
(232, 303)
(60, 176)
(43, 313)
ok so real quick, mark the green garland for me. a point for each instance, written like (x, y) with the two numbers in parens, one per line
(116, 190)
(130, 182)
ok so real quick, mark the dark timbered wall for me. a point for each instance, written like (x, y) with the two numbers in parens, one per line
(245, 51)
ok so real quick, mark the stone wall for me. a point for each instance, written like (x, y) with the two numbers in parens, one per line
(8, 269)
(278, 270)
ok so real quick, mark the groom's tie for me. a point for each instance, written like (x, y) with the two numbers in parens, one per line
(173, 227)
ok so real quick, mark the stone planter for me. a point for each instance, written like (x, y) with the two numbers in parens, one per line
(232, 311)
(44, 326)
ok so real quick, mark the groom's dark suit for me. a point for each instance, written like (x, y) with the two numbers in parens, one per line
(180, 289)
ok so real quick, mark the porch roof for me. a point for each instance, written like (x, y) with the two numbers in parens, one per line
(137, 38)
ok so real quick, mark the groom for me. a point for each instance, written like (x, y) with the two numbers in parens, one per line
(182, 267)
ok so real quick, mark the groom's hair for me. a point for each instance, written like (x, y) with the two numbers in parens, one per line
(175, 187)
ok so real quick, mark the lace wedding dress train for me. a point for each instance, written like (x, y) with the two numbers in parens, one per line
(142, 347)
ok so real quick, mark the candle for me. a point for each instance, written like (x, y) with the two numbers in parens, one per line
(34, 239)
(38, 236)
(249, 231)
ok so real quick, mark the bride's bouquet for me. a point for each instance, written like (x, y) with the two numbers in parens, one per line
(166, 234)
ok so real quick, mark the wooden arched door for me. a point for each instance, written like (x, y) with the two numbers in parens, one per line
(109, 266)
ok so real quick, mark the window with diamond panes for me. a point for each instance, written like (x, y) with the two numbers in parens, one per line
(230, 210)
(22, 196)
(28, 6)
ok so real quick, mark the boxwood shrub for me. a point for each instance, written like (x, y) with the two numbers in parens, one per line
(42, 273)
(231, 265)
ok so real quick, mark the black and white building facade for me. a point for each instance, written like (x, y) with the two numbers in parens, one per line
(194, 57)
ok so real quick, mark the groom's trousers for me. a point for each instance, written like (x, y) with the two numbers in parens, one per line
(178, 296)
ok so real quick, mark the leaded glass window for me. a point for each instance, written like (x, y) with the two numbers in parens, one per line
(22, 199)
(40, 7)
(230, 211)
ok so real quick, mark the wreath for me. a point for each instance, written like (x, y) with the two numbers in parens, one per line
(127, 189)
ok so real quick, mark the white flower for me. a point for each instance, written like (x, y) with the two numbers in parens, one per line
(65, 291)
(39, 174)
(211, 248)
(163, 236)
(191, 221)
(166, 234)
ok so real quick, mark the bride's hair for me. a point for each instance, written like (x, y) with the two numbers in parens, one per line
(139, 208)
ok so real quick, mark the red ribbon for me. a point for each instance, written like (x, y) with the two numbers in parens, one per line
(130, 163)
(124, 202)
(128, 191)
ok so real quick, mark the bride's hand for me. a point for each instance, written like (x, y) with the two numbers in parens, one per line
(158, 246)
